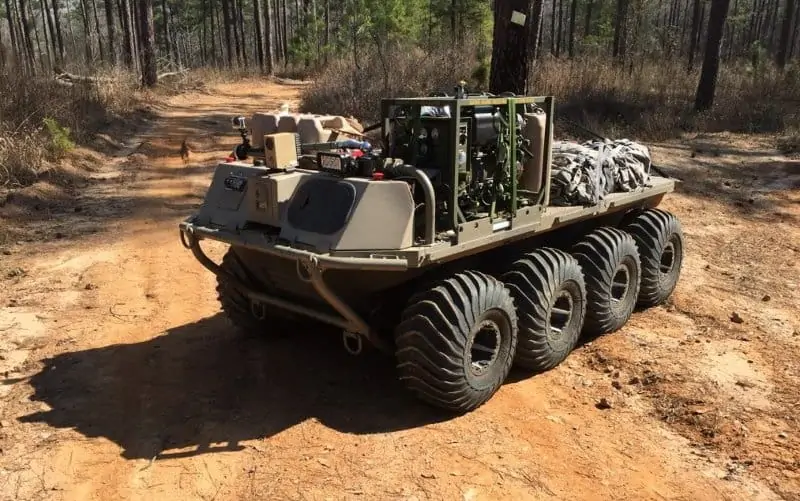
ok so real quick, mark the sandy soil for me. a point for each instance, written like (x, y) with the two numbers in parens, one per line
(120, 380)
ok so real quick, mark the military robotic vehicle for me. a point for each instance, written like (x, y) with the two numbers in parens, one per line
(439, 245)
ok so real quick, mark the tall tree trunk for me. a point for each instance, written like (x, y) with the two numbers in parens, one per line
(26, 33)
(276, 28)
(695, 34)
(573, 14)
(15, 47)
(213, 30)
(620, 21)
(165, 34)
(269, 32)
(110, 29)
(147, 36)
(259, 34)
(328, 29)
(226, 18)
(453, 24)
(32, 17)
(48, 36)
(510, 54)
(560, 27)
(786, 31)
(708, 78)
(87, 33)
(54, 35)
(796, 30)
(128, 35)
(240, 25)
(535, 27)
(100, 43)
(553, 34)
(285, 33)
(587, 29)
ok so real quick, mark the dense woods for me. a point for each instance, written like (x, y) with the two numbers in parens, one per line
(39, 35)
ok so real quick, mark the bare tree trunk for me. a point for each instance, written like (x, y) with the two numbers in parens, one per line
(553, 34)
(328, 29)
(259, 34)
(213, 30)
(148, 40)
(620, 21)
(13, 33)
(708, 78)
(226, 18)
(587, 29)
(510, 53)
(695, 34)
(128, 35)
(100, 44)
(269, 32)
(110, 29)
(535, 27)
(285, 33)
(572, 15)
(786, 31)
(87, 33)
(58, 51)
(26, 32)
(560, 27)
(48, 37)
(240, 24)
(796, 30)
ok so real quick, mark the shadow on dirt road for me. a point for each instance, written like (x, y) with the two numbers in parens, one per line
(200, 388)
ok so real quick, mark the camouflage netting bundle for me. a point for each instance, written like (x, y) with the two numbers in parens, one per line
(583, 174)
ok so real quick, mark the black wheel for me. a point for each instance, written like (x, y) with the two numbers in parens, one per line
(549, 290)
(659, 236)
(249, 319)
(610, 262)
(455, 342)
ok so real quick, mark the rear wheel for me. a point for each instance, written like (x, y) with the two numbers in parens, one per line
(249, 318)
(659, 236)
(548, 288)
(610, 262)
(456, 340)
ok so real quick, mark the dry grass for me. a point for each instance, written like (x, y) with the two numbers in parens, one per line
(351, 87)
(651, 100)
(27, 147)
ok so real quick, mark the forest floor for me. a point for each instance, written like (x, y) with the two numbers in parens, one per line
(119, 379)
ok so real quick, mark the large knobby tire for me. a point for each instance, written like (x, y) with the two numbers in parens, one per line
(659, 236)
(550, 294)
(456, 340)
(610, 262)
(248, 319)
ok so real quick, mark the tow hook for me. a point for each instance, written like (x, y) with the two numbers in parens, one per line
(353, 343)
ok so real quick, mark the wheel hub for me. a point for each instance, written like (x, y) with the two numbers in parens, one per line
(667, 260)
(485, 347)
(561, 313)
(620, 284)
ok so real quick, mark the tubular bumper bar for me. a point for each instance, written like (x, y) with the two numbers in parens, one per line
(314, 264)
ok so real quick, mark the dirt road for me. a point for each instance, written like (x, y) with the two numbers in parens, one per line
(120, 380)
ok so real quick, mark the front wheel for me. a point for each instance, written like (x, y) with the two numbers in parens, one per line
(250, 319)
(456, 341)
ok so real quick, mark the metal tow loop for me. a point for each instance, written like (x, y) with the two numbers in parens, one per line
(353, 343)
(258, 310)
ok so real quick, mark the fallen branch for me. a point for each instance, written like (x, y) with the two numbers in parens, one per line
(170, 74)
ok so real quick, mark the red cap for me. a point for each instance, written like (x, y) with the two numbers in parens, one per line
(377, 176)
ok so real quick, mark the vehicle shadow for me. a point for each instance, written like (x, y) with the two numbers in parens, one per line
(201, 388)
